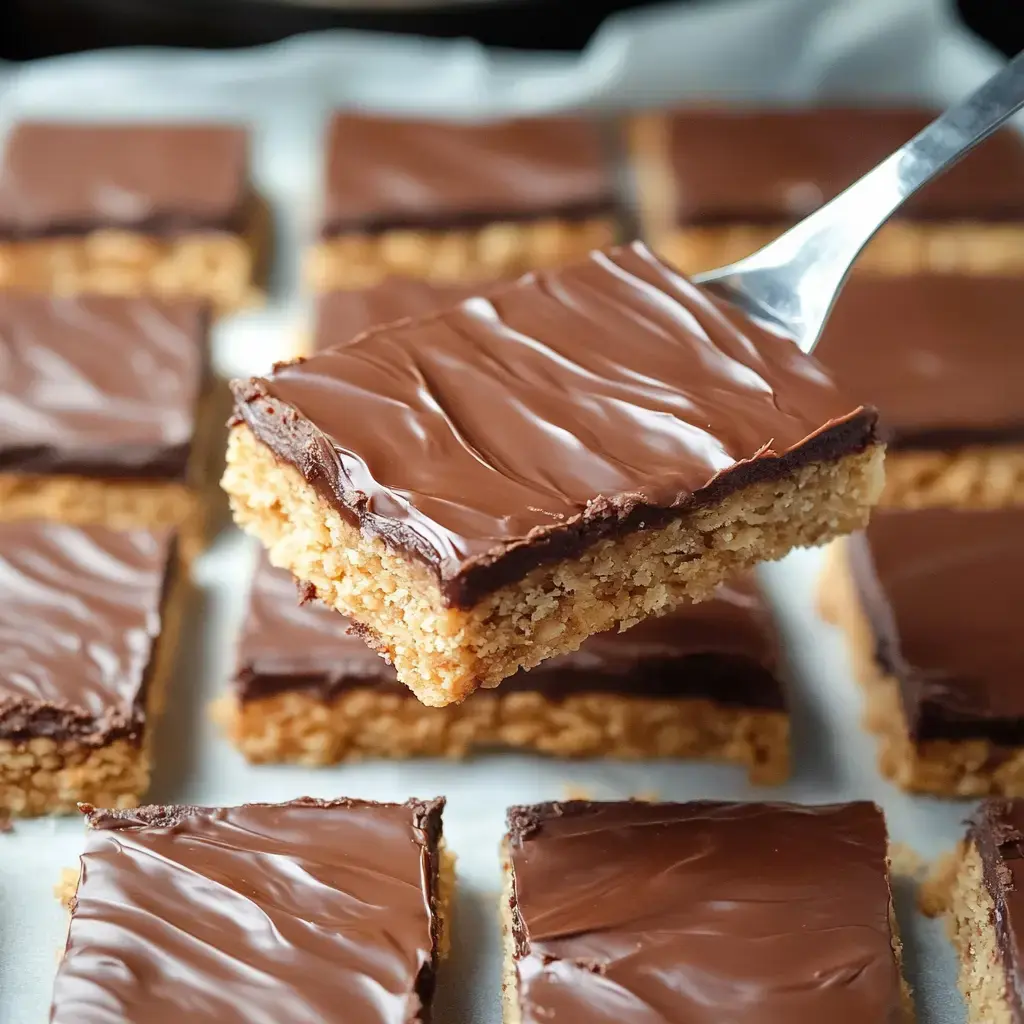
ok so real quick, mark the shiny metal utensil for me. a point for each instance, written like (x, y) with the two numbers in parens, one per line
(792, 283)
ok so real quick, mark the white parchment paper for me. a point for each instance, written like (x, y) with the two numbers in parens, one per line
(780, 50)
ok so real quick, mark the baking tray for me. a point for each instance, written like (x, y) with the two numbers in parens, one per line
(762, 50)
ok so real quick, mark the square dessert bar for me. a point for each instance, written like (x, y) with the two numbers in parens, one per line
(483, 488)
(700, 682)
(129, 209)
(986, 911)
(456, 202)
(104, 406)
(747, 913)
(930, 602)
(342, 315)
(89, 621)
(716, 184)
(313, 910)
(938, 355)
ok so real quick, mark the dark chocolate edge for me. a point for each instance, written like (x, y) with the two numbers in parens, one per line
(426, 823)
(989, 832)
(604, 518)
(926, 715)
(86, 729)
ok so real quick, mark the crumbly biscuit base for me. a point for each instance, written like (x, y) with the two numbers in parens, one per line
(456, 256)
(982, 976)
(901, 247)
(195, 508)
(302, 728)
(976, 477)
(225, 269)
(443, 653)
(51, 776)
(512, 1012)
(954, 768)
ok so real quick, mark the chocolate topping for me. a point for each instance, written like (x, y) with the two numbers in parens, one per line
(385, 173)
(99, 386)
(723, 649)
(576, 404)
(69, 179)
(777, 166)
(343, 315)
(943, 590)
(80, 614)
(702, 912)
(937, 354)
(305, 911)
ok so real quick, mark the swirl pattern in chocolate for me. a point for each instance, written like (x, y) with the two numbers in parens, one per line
(936, 353)
(97, 385)
(778, 166)
(68, 179)
(723, 649)
(387, 173)
(702, 913)
(943, 589)
(80, 614)
(575, 404)
(305, 911)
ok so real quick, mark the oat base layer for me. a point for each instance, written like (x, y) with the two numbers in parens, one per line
(456, 256)
(47, 776)
(981, 477)
(982, 976)
(955, 768)
(224, 269)
(301, 728)
(443, 654)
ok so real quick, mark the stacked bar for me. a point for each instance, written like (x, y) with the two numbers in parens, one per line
(930, 601)
(88, 626)
(166, 210)
(481, 489)
(716, 184)
(105, 413)
(938, 354)
(304, 911)
(747, 913)
(700, 682)
(455, 203)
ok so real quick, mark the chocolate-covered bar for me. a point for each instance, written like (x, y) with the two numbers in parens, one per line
(343, 315)
(986, 908)
(458, 201)
(88, 626)
(699, 912)
(938, 355)
(700, 682)
(930, 603)
(128, 209)
(313, 910)
(481, 489)
(717, 183)
(104, 412)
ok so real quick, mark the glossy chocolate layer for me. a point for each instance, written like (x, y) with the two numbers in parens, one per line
(576, 404)
(343, 315)
(777, 166)
(385, 173)
(943, 591)
(723, 649)
(68, 179)
(99, 386)
(702, 912)
(80, 615)
(307, 911)
(937, 354)
(997, 831)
